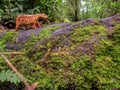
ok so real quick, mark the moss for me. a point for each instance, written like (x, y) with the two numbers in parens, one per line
(47, 32)
(82, 34)
(8, 37)
(54, 66)
(3, 64)
(106, 66)
(116, 33)
(63, 68)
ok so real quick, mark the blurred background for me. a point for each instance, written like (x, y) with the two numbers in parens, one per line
(60, 10)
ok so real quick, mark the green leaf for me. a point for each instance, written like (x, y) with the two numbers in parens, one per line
(9, 76)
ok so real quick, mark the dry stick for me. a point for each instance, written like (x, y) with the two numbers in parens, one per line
(15, 70)
(8, 30)
(12, 53)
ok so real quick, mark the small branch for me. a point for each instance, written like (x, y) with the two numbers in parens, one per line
(16, 71)
(12, 53)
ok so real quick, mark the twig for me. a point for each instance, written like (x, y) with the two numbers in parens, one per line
(12, 53)
(16, 71)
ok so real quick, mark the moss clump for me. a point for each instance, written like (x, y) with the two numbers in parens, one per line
(9, 36)
(82, 34)
(107, 61)
(6, 38)
(116, 33)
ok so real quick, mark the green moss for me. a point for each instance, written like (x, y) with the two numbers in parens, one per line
(7, 37)
(106, 66)
(3, 64)
(82, 34)
(64, 68)
(55, 65)
(116, 33)
(47, 32)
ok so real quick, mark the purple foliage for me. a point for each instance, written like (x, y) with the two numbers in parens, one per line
(27, 34)
(24, 35)
(65, 30)
(15, 46)
(108, 22)
(62, 31)
(89, 21)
